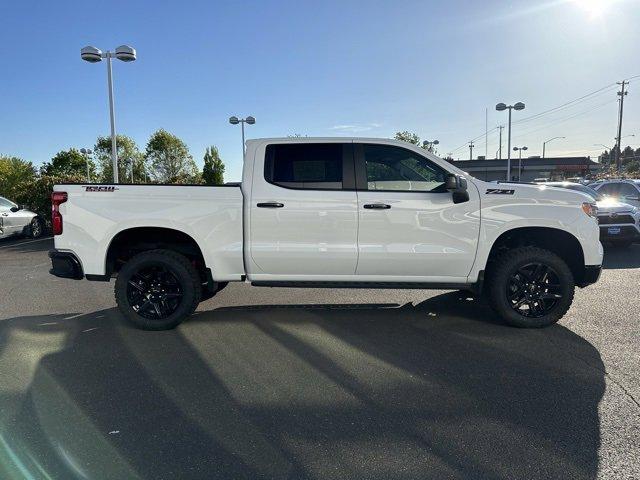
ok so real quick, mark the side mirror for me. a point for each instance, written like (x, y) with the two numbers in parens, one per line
(455, 183)
(14, 209)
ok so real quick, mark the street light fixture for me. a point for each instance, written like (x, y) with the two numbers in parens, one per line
(501, 107)
(428, 145)
(86, 152)
(235, 121)
(519, 150)
(94, 55)
(544, 144)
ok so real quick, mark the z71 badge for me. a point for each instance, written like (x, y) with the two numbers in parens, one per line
(499, 191)
(100, 188)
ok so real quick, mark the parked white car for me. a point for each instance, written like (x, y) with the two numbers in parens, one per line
(16, 220)
(334, 213)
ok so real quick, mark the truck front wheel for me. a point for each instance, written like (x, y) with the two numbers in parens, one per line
(157, 289)
(530, 287)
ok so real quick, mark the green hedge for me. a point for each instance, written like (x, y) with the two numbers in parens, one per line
(35, 194)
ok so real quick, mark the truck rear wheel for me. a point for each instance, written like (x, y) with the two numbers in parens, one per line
(157, 289)
(530, 287)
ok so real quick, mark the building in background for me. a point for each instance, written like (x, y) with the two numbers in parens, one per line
(533, 168)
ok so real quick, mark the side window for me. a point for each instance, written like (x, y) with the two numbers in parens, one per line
(312, 166)
(395, 168)
(5, 204)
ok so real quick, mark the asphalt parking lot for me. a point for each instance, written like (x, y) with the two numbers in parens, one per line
(286, 383)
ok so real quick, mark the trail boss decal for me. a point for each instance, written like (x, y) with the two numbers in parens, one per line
(499, 191)
(100, 188)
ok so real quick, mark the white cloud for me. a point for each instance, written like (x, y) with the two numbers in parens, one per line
(356, 128)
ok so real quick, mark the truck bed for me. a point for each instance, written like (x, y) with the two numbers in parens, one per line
(212, 215)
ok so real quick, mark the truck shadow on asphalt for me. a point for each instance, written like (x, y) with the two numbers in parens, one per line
(435, 390)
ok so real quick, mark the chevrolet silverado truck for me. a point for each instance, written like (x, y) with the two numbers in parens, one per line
(332, 213)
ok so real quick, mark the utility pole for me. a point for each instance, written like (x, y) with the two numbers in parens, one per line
(471, 149)
(500, 149)
(486, 133)
(621, 94)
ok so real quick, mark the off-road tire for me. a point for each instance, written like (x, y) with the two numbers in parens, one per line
(506, 265)
(183, 271)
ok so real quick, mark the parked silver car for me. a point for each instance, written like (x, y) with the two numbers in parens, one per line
(619, 221)
(15, 220)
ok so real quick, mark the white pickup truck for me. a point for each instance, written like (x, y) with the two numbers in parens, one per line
(335, 213)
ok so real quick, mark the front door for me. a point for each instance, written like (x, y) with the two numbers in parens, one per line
(409, 225)
(304, 212)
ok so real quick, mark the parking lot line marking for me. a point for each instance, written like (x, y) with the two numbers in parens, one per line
(24, 243)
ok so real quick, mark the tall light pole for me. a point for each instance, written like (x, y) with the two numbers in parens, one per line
(249, 120)
(500, 127)
(544, 144)
(500, 107)
(86, 152)
(471, 145)
(429, 144)
(519, 150)
(95, 55)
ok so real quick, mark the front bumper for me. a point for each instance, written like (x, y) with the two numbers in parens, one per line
(624, 232)
(65, 265)
(591, 275)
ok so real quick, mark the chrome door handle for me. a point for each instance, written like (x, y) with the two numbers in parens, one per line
(377, 206)
(270, 205)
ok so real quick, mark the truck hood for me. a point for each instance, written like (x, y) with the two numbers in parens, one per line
(532, 192)
(611, 205)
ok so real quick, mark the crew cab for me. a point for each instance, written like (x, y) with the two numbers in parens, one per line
(332, 213)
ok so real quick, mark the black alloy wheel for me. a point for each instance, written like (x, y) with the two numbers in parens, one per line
(534, 290)
(158, 289)
(529, 287)
(153, 292)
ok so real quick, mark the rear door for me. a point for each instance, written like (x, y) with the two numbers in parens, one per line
(409, 224)
(304, 211)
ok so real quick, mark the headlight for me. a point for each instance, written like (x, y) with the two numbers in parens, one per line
(590, 209)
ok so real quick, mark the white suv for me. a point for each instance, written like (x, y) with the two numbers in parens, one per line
(625, 191)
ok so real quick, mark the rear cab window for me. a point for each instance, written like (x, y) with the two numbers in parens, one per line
(310, 166)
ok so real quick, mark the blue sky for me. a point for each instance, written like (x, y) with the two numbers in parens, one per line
(320, 69)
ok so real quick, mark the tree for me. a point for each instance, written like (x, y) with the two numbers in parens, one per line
(36, 192)
(128, 154)
(413, 138)
(407, 136)
(14, 172)
(170, 159)
(68, 163)
(213, 171)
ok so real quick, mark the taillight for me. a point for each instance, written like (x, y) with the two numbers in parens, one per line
(57, 198)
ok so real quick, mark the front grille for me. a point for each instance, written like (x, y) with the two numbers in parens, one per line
(607, 219)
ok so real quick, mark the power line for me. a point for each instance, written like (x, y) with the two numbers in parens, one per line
(564, 119)
(567, 104)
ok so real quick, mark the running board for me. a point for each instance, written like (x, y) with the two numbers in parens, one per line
(375, 285)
